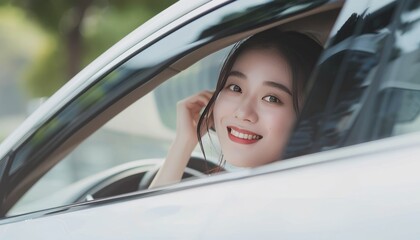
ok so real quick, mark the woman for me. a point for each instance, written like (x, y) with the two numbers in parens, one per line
(257, 99)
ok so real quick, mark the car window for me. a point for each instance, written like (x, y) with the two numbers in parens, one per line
(399, 96)
(141, 132)
(117, 85)
(365, 87)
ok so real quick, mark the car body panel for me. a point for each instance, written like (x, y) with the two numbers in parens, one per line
(330, 199)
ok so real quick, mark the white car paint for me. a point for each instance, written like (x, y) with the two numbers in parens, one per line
(369, 191)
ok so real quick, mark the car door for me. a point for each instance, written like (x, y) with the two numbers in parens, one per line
(123, 76)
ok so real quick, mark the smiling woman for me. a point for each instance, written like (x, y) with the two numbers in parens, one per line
(255, 109)
(256, 102)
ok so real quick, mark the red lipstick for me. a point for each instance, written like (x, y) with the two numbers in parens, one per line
(242, 136)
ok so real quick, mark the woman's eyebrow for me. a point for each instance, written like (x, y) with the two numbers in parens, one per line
(279, 86)
(236, 74)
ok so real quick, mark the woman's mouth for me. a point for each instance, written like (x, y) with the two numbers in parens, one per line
(242, 136)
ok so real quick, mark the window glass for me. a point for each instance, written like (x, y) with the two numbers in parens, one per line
(339, 106)
(143, 131)
(399, 104)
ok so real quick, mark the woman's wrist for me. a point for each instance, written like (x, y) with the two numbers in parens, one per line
(186, 140)
(178, 156)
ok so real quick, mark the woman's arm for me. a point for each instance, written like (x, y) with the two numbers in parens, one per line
(188, 113)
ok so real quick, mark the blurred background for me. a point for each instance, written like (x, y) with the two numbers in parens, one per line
(44, 43)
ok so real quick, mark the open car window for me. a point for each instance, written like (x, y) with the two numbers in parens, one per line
(79, 145)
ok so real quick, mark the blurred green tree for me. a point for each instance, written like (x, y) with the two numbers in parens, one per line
(81, 29)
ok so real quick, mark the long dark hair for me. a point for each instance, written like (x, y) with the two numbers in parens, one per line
(300, 51)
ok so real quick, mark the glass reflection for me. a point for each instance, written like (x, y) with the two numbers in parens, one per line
(400, 97)
(339, 108)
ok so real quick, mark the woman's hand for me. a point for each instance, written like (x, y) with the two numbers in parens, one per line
(188, 114)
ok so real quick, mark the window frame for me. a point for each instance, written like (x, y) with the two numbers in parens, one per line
(56, 148)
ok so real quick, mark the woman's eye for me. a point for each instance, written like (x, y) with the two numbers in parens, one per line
(235, 88)
(272, 99)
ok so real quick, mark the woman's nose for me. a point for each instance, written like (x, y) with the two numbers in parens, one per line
(246, 111)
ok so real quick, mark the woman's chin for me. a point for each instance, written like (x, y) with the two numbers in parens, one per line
(247, 160)
(241, 162)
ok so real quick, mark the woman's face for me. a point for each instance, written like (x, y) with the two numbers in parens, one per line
(253, 114)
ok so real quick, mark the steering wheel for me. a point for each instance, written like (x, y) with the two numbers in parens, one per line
(196, 167)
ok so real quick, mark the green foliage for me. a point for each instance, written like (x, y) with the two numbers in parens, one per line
(23, 43)
(47, 74)
(46, 13)
(100, 24)
(107, 26)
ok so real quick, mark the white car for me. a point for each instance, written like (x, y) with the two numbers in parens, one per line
(79, 166)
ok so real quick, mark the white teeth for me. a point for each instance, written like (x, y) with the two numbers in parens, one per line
(244, 136)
